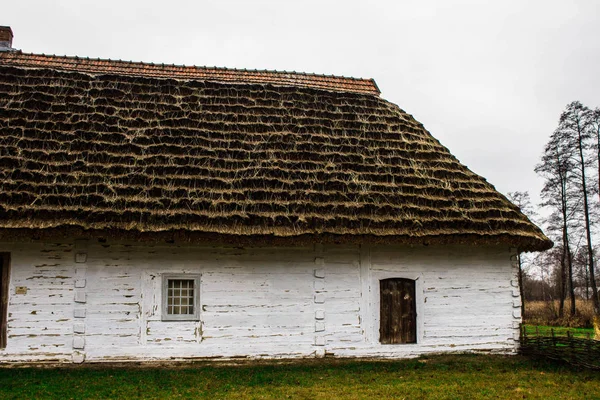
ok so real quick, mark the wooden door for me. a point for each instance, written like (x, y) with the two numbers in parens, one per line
(4, 280)
(398, 313)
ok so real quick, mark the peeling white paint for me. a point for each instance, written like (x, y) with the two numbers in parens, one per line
(255, 302)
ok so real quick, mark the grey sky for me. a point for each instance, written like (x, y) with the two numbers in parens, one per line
(488, 79)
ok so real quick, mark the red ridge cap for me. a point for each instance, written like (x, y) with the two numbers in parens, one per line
(132, 68)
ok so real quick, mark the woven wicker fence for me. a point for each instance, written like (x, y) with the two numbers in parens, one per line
(583, 352)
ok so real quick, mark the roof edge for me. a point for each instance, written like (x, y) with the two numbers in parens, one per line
(521, 243)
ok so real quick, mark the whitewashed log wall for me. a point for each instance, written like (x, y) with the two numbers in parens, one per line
(94, 301)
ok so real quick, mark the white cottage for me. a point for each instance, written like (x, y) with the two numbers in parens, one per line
(160, 212)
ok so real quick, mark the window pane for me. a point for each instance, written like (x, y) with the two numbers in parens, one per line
(180, 297)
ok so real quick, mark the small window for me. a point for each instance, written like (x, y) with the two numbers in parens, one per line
(398, 311)
(181, 298)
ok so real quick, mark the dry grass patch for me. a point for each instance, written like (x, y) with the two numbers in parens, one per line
(546, 313)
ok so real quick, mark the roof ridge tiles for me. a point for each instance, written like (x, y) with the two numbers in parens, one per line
(149, 63)
(281, 77)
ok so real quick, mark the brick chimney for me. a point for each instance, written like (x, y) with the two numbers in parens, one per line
(6, 37)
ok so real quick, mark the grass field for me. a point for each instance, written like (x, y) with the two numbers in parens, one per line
(442, 377)
(559, 331)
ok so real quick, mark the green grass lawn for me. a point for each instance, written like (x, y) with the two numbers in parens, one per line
(443, 377)
(559, 331)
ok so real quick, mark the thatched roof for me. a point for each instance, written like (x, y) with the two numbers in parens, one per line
(144, 150)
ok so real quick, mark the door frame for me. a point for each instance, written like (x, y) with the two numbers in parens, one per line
(375, 305)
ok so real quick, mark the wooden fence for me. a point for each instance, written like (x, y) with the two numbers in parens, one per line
(583, 352)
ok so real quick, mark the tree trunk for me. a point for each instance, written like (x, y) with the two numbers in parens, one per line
(598, 155)
(592, 277)
(588, 235)
(571, 288)
(587, 284)
(595, 302)
(563, 281)
(566, 250)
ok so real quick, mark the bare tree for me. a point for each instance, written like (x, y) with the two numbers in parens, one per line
(576, 124)
(556, 167)
(593, 124)
(581, 273)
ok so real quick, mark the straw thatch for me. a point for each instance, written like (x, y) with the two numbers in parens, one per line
(143, 155)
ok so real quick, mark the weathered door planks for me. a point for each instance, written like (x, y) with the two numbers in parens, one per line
(398, 314)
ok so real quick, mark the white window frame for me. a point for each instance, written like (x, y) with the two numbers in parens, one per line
(180, 317)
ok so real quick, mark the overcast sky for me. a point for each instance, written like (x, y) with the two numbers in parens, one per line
(488, 79)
